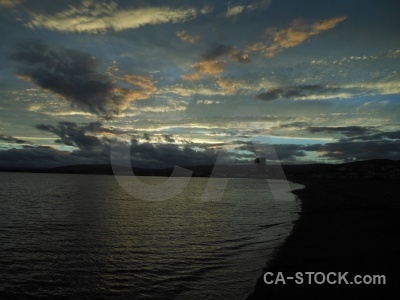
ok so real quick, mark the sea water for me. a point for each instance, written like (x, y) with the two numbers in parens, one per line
(85, 237)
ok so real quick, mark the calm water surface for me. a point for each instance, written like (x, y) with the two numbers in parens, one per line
(84, 237)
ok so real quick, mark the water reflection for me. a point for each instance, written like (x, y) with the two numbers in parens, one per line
(74, 235)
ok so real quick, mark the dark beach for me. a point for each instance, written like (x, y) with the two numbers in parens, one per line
(346, 225)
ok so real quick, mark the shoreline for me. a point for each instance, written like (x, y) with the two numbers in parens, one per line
(346, 225)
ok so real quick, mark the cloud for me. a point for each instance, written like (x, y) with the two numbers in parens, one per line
(238, 9)
(168, 138)
(95, 16)
(143, 87)
(294, 92)
(373, 88)
(220, 50)
(294, 125)
(146, 136)
(91, 145)
(226, 84)
(361, 143)
(298, 32)
(187, 38)
(263, 4)
(345, 130)
(212, 64)
(205, 67)
(11, 139)
(10, 3)
(207, 88)
(73, 134)
(168, 155)
(85, 136)
(374, 136)
(209, 67)
(285, 152)
(191, 77)
(234, 10)
(41, 156)
(72, 75)
(351, 151)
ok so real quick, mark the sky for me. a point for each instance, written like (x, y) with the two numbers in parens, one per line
(190, 82)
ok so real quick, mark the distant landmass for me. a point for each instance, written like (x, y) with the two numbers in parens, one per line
(379, 168)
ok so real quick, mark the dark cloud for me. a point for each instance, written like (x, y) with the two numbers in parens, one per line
(168, 138)
(351, 151)
(71, 74)
(341, 151)
(220, 50)
(146, 136)
(374, 136)
(346, 130)
(384, 145)
(285, 152)
(73, 134)
(162, 155)
(392, 135)
(11, 139)
(211, 64)
(142, 154)
(360, 143)
(293, 92)
(39, 157)
(166, 155)
(294, 124)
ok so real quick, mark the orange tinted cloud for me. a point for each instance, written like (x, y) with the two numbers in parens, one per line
(209, 67)
(141, 81)
(127, 96)
(297, 33)
(191, 77)
(143, 89)
(205, 67)
(212, 62)
(24, 77)
(226, 84)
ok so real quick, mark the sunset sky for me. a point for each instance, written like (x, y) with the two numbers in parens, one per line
(180, 81)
